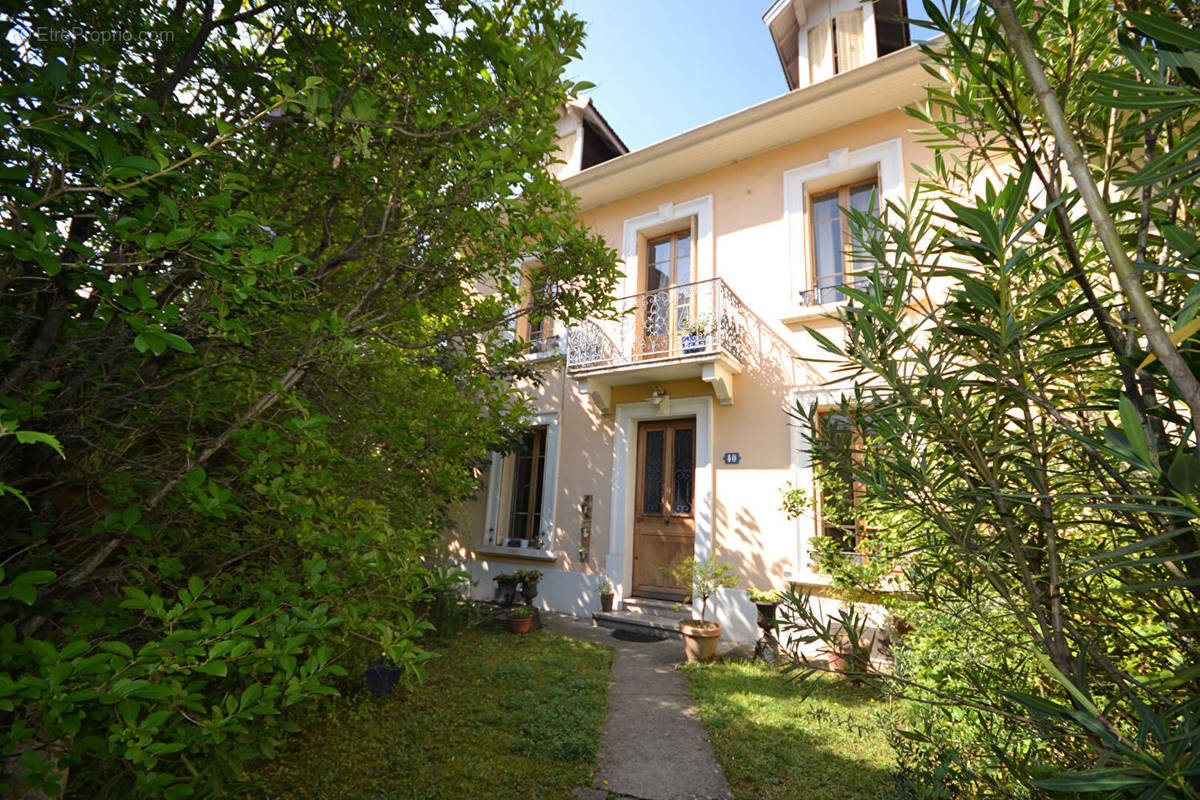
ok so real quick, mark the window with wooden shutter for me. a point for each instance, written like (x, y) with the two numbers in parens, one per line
(836, 45)
(848, 28)
(891, 31)
(820, 51)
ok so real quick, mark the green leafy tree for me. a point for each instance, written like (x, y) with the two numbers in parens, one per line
(258, 266)
(1023, 411)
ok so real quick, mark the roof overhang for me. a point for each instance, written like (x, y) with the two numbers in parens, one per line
(590, 114)
(784, 20)
(896, 80)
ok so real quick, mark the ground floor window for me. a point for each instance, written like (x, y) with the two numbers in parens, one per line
(525, 473)
(838, 493)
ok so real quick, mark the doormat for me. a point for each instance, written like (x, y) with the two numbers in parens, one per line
(638, 636)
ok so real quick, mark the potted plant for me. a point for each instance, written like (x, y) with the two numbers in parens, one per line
(606, 594)
(846, 660)
(700, 636)
(506, 588)
(697, 333)
(766, 602)
(519, 619)
(528, 579)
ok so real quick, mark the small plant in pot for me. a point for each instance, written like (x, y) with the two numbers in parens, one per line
(847, 658)
(529, 584)
(606, 594)
(700, 636)
(696, 334)
(506, 588)
(519, 619)
(766, 603)
(844, 641)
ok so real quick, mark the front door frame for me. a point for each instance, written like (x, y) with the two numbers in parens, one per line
(618, 563)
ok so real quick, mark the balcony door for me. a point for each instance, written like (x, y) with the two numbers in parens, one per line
(664, 522)
(665, 309)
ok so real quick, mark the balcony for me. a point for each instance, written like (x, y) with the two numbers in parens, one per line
(697, 330)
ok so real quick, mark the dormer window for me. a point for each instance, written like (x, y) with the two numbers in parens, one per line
(835, 45)
(817, 39)
(891, 31)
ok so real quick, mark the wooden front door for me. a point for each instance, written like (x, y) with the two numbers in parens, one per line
(664, 521)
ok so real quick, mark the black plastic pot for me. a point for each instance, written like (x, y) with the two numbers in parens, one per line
(767, 647)
(507, 591)
(382, 679)
(606, 601)
(766, 615)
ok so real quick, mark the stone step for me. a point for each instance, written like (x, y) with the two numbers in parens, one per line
(637, 622)
(660, 608)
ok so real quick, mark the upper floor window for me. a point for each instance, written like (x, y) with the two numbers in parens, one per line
(668, 304)
(537, 326)
(832, 247)
(669, 261)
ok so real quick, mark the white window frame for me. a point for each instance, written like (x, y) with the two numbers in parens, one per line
(885, 159)
(550, 420)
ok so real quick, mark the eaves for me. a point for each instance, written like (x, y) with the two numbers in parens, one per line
(898, 79)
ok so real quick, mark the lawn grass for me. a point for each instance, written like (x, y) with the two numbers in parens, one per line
(498, 716)
(775, 743)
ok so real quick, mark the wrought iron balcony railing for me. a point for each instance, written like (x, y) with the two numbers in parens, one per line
(691, 319)
(832, 293)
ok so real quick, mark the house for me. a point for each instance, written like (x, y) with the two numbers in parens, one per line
(664, 433)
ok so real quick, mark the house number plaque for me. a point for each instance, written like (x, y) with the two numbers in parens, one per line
(732, 458)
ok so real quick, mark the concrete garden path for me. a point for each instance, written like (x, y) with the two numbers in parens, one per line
(653, 745)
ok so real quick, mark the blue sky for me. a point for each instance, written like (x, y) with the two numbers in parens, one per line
(664, 66)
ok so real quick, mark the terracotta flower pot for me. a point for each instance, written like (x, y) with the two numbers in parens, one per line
(519, 624)
(837, 660)
(699, 639)
(840, 658)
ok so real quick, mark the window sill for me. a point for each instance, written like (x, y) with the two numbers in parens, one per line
(545, 355)
(809, 313)
(527, 553)
(814, 580)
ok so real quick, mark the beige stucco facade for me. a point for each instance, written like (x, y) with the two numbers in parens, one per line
(741, 187)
